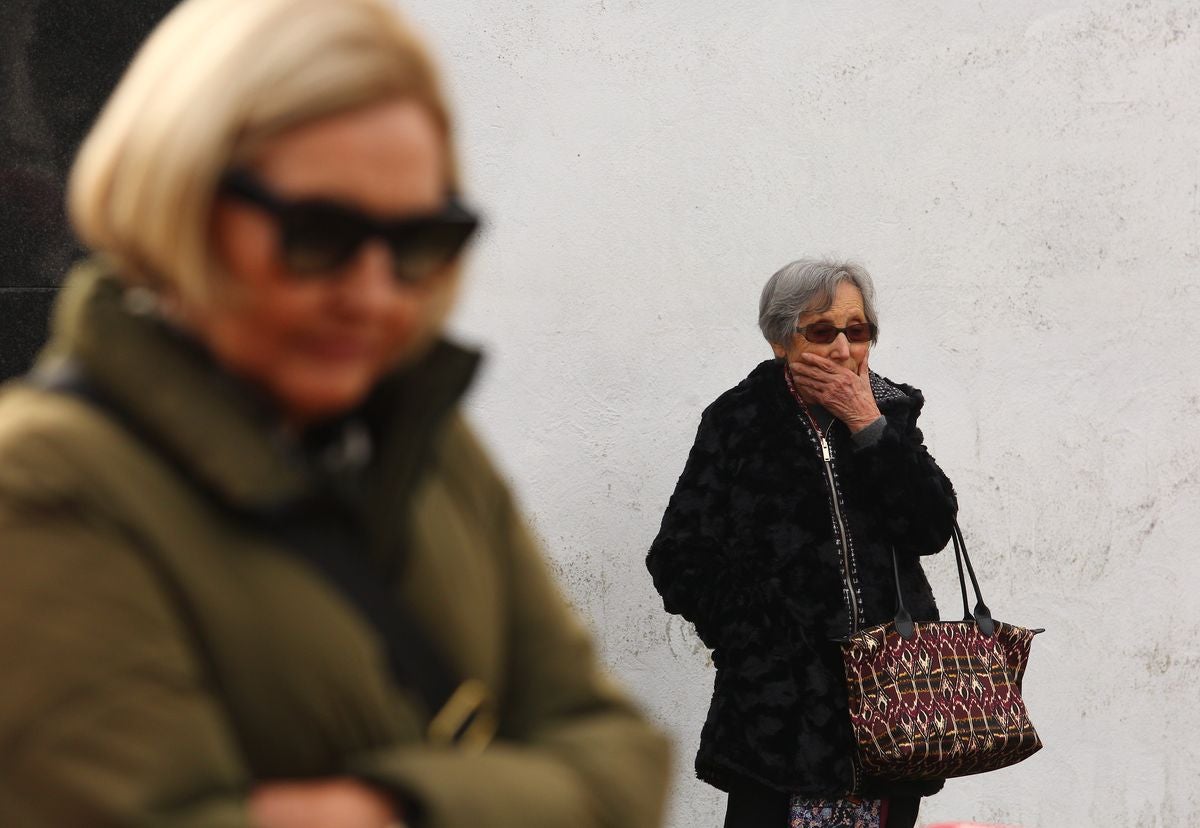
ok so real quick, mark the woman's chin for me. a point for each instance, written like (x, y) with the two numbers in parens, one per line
(304, 404)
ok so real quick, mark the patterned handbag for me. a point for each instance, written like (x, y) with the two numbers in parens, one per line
(939, 699)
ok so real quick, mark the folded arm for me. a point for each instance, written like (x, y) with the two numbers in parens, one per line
(571, 749)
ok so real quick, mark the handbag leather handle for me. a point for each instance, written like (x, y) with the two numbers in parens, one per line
(982, 616)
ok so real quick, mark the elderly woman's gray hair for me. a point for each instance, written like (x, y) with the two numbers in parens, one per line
(808, 286)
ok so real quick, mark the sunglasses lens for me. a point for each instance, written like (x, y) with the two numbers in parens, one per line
(428, 248)
(859, 333)
(319, 240)
(820, 333)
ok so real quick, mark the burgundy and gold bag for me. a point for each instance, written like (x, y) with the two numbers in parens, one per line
(939, 699)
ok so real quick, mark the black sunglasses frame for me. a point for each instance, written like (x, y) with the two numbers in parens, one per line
(871, 326)
(452, 228)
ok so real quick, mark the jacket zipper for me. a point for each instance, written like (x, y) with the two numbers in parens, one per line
(843, 542)
(827, 457)
(827, 460)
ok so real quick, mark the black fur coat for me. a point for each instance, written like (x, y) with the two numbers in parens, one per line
(747, 553)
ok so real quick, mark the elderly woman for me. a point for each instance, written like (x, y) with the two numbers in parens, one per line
(778, 540)
(254, 567)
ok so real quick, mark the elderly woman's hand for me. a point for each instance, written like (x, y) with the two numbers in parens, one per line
(844, 393)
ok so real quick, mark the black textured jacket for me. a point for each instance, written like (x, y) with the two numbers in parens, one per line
(748, 553)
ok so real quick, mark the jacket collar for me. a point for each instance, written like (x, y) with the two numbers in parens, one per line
(221, 431)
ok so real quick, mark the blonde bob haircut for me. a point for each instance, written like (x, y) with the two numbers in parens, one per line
(213, 83)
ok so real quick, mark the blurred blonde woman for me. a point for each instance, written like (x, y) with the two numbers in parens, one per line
(254, 567)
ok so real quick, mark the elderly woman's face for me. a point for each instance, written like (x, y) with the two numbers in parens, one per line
(846, 309)
(318, 343)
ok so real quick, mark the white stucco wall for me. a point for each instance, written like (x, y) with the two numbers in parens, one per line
(1023, 180)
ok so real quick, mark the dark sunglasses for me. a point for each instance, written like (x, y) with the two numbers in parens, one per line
(318, 236)
(822, 333)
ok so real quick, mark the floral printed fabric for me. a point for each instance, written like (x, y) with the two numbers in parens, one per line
(835, 813)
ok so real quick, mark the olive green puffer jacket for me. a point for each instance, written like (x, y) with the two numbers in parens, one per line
(160, 656)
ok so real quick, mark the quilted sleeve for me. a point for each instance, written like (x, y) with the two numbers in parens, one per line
(106, 718)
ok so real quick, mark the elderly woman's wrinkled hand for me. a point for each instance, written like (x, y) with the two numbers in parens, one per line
(845, 393)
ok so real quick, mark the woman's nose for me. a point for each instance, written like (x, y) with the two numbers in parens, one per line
(370, 280)
(840, 349)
